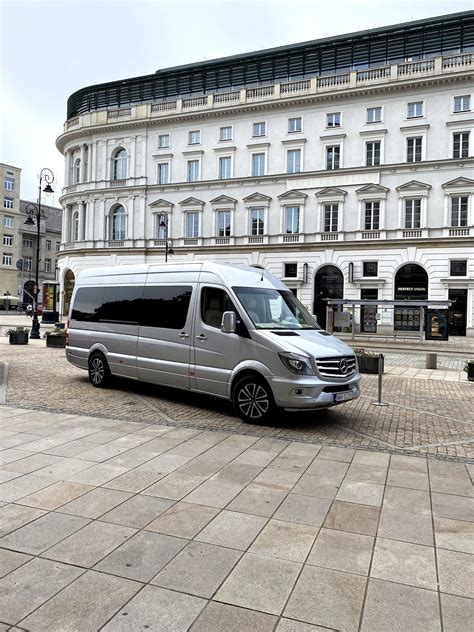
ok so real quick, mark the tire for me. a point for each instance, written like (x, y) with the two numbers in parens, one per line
(99, 372)
(253, 399)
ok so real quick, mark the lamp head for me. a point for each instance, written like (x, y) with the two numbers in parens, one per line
(48, 190)
(29, 221)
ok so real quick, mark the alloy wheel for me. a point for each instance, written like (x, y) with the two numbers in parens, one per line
(253, 400)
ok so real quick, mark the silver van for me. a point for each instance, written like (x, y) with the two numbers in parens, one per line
(231, 331)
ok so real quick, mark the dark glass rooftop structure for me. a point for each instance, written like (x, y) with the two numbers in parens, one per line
(444, 35)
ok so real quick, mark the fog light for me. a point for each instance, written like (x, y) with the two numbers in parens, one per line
(298, 391)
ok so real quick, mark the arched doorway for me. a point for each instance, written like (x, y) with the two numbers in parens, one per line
(69, 280)
(411, 284)
(328, 283)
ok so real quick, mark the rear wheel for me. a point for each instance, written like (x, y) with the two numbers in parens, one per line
(253, 399)
(99, 372)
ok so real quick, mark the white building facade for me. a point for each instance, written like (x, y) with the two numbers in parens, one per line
(355, 182)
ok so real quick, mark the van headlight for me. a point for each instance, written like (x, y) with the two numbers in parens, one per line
(299, 364)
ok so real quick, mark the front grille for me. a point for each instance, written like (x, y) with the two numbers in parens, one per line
(334, 367)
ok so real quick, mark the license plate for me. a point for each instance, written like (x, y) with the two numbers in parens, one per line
(344, 397)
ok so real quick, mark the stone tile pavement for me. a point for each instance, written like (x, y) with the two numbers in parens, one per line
(117, 525)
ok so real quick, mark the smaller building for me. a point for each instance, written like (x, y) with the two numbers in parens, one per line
(10, 222)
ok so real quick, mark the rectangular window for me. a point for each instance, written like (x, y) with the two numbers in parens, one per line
(164, 141)
(27, 243)
(48, 244)
(8, 202)
(225, 168)
(461, 145)
(412, 213)
(58, 245)
(225, 133)
(374, 115)
(8, 240)
(9, 184)
(372, 153)
(27, 264)
(8, 221)
(372, 216)
(331, 218)
(47, 265)
(258, 164)
(259, 129)
(294, 124)
(414, 149)
(214, 302)
(193, 170)
(333, 157)
(370, 268)
(257, 221)
(293, 161)
(194, 137)
(458, 267)
(462, 104)
(163, 173)
(192, 224)
(291, 270)
(7, 259)
(459, 210)
(292, 219)
(415, 109)
(223, 223)
(333, 119)
(166, 306)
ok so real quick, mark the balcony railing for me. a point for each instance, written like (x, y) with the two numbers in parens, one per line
(123, 112)
(329, 236)
(412, 234)
(459, 232)
(371, 234)
(222, 241)
(287, 239)
(256, 240)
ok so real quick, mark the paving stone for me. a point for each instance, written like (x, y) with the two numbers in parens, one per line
(86, 604)
(240, 473)
(191, 448)
(269, 444)
(30, 586)
(200, 467)
(32, 463)
(255, 457)
(364, 457)
(327, 598)
(404, 478)
(353, 517)
(14, 516)
(42, 534)
(90, 544)
(134, 481)
(342, 551)
(444, 468)
(22, 486)
(336, 454)
(74, 448)
(138, 511)
(8, 476)
(451, 485)
(404, 563)
(257, 500)
(260, 583)
(232, 529)
(174, 486)
(405, 526)
(97, 474)
(277, 480)
(223, 454)
(456, 535)
(214, 493)
(11, 560)
(285, 540)
(310, 485)
(409, 463)
(142, 556)
(184, 520)
(454, 507)
(361, 493)
(303, 510)
(198, 570)
(302, 449)
(366, 473)
(132, 458)
(291, 462)
(324, 468)
(403, 499)
(289, 625)
(408, 609)
(55, 495)
(65, 469)
(456, 573)
(221, 617)
(157, 609)
(95, 503)
(101, 453)
(457, 613)
(11, 455)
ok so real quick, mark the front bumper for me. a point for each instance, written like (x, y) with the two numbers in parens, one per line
(310, 392)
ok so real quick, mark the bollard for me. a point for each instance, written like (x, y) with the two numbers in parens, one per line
(431, 360)
(380, 402)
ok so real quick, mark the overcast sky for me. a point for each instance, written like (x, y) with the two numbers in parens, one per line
(50, 49)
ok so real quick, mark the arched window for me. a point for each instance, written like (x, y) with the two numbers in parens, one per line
(75, 226)
(118, 224)
(77, 171)
(120, 165)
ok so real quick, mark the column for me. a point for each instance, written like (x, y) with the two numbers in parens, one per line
(133, 153)
(105, 175)
(66, 224)
(91, 162)
(82, 221)
(67, 175)
(82, 171)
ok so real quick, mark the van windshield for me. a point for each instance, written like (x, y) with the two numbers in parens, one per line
(274, 309)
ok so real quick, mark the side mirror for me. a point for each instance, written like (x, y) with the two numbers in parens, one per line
(229, 322)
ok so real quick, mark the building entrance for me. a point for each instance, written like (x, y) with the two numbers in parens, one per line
(457, 312)
(411, 284)
(368, 313)
(328, 283)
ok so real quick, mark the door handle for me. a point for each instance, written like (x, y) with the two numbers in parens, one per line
(201, 337)
(183, 334)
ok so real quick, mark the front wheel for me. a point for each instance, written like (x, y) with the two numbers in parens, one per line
(99, 372)
(253, 399)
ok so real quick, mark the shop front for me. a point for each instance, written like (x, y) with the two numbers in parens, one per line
(411, 284)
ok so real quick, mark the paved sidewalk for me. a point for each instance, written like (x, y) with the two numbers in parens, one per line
(124, 526)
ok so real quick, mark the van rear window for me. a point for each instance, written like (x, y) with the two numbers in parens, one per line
(87, 304)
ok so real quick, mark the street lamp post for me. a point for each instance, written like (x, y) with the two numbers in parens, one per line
(34, 215)
(164, 224)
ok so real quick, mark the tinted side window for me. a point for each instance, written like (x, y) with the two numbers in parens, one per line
(165, 306)
(87, 304)
(122, 305)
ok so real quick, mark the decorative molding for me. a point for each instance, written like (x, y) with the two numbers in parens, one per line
(161, 204)
(330, 192)
(332, 137)
(192, 201)
(459, 182)
(413, 185)
(372, 189)
(293, 194)
(256, 197)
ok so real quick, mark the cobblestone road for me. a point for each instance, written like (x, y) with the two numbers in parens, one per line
(424, 416)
